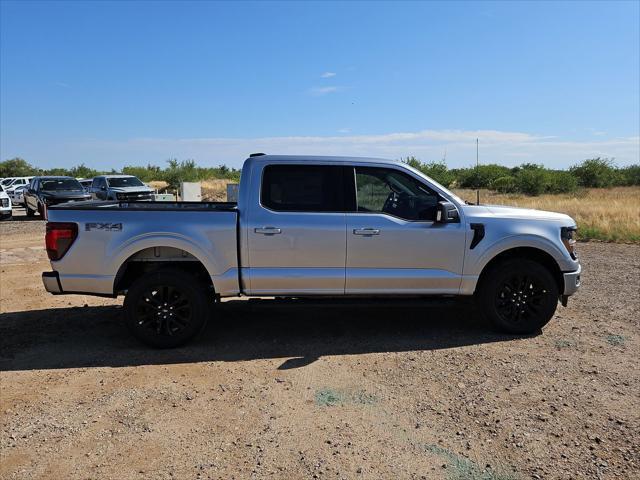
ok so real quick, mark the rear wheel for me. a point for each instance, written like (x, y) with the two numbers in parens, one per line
(167, 308)
(518, 296)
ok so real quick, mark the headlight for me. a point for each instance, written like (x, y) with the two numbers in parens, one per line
(568, 236)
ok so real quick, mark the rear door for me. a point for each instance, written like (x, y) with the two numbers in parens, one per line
(296, 231)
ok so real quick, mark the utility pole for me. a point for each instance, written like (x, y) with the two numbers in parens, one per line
(477, 173)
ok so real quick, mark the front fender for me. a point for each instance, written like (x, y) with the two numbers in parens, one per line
(476, 263)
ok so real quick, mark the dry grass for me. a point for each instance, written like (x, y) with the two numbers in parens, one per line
(611, 215)
(215, 190)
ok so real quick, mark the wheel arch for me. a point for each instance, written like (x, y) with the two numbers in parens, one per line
(530, 253)
(159, 257)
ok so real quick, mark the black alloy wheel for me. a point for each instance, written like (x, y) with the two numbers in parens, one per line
(518, 295)
(167, 307)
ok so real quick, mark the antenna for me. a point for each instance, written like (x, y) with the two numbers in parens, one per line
(477, 173)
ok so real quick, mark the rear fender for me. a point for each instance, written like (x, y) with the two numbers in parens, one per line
(223, 276)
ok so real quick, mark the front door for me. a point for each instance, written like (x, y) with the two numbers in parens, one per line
(296, 234)
(394, 245)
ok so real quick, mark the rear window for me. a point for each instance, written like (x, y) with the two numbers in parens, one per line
(303, 188)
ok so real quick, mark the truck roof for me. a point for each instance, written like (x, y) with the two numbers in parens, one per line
(317, 158)
(115, 175)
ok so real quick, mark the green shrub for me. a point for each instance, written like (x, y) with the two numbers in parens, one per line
(146, 174)
(482, 176)
(506, 184)
(561, 182)
(629, 175)
(595, 172)
(531, 181)
(17, 167)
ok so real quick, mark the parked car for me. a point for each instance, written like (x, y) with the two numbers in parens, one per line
(313, 227)
(10, 183)
(5, 205)
(46, 191)
(86, 183)
(17, 194)
(120, 187)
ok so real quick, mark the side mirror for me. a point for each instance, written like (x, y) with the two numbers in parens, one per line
(447, 213)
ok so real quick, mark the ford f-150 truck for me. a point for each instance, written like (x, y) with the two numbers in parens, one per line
(313, 226)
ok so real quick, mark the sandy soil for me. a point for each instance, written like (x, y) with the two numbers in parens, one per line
(319, 391)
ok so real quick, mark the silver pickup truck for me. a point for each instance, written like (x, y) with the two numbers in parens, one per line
(313, 226)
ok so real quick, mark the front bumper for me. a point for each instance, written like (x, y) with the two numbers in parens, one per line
(572, 281)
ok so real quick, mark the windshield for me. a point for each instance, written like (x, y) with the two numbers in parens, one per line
(119, 182)
(61, 184)
(445, 190)
(8, 181)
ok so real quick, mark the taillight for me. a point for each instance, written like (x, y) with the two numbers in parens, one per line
(60, 236)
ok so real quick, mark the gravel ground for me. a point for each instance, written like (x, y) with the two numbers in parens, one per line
(319, 391)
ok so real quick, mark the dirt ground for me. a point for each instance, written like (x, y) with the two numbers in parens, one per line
(319, 391)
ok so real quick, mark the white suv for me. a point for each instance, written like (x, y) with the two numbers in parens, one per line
(5, 204)
(11, 183)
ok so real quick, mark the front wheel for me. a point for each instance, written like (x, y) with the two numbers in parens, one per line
(518, 296)
(166, 308)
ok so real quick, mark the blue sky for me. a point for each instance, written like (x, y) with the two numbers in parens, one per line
(117, 83)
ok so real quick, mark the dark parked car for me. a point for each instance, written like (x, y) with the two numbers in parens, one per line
(46, 191)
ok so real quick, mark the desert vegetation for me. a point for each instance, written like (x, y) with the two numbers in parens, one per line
(603, 198)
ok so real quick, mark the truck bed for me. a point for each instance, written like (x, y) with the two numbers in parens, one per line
(147, 206)
(112, 233)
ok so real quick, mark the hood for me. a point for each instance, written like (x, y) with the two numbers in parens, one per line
(3, 194)
(502, 211)
(131, 189)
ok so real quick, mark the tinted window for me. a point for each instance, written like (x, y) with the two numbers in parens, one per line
(384, 190)
(302, 188)
(61, 184)
(125, 182)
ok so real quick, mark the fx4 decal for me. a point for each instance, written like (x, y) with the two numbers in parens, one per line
(105, 227)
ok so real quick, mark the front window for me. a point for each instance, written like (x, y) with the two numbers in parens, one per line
(58, 184)
(119, 182)
(385, 190)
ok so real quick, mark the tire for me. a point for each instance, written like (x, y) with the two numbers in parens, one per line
(166, 308)
(518, 296)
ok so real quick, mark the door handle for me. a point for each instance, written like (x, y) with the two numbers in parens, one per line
(366, 231)
(267, 230)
